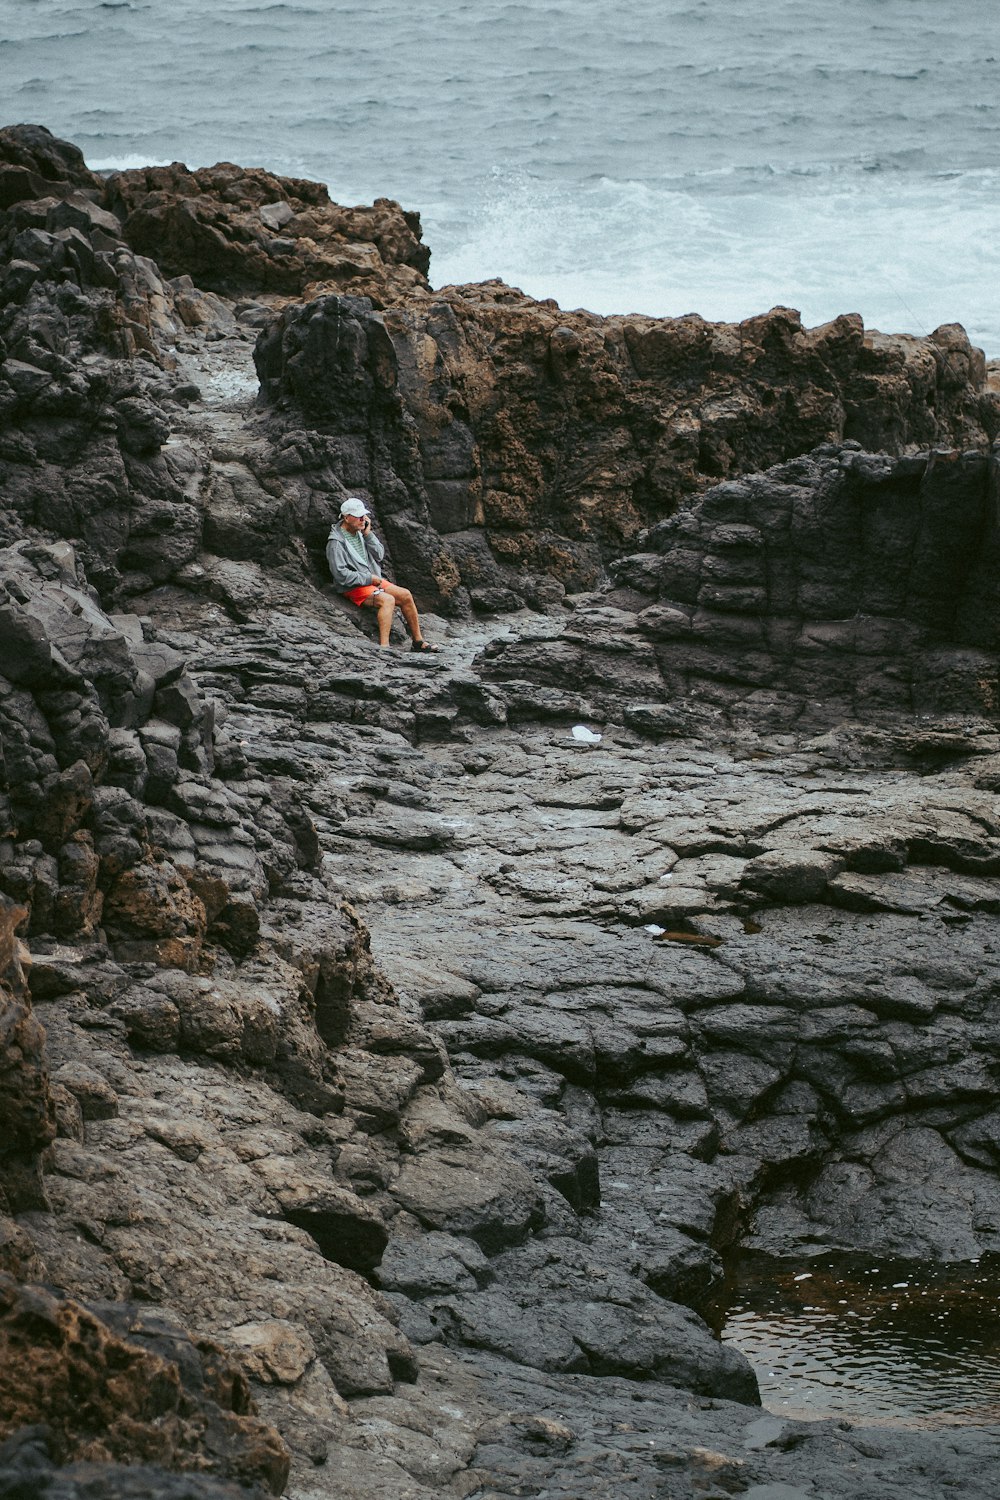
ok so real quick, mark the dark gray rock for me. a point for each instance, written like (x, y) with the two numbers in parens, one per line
(28, 1468)
(430, 1264)
(721, 977)
(558, 1308)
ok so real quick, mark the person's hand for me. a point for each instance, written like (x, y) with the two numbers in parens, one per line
(366, 525)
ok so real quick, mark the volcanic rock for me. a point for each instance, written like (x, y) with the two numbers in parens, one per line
(433, 1061)
(514, 442)
(26, 1105)
(839, 586)
(243, 231)
(115, 1384)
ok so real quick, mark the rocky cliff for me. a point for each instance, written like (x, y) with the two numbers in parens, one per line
(514, 449)
(841, 586)
(388, 1075)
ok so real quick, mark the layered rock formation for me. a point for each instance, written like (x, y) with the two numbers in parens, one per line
(843, 585)
(512, 449)
(387, 1074)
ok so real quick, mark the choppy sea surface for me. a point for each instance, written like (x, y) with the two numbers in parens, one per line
(668, 156)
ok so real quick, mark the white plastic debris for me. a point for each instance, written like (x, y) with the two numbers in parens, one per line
(584, 735)
(656, 931)
(803, 1276)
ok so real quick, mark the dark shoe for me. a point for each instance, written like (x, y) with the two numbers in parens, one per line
(423, 646)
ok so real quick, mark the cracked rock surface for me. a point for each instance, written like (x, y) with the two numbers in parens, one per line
(388, 1072)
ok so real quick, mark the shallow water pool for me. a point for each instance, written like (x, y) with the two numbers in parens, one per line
(869, 1339)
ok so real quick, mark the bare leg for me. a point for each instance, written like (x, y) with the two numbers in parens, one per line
(384, 606)
(404, 599)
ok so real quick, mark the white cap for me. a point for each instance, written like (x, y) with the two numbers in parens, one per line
(354, 507)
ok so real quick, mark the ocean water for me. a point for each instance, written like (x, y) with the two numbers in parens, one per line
(669, 156)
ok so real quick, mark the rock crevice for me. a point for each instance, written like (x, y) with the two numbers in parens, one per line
(388, 1072)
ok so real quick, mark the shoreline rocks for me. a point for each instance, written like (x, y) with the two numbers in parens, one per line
(516, 449)
(242, 232)
(113, 1385)
(427, 1060)
(843, 586)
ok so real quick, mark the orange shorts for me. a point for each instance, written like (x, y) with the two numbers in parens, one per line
(362, 593)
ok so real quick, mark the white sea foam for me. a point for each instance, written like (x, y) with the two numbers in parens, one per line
(127, 163)
(908, 258)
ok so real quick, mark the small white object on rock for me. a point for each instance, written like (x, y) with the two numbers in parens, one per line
(584, 735)
(656, 931)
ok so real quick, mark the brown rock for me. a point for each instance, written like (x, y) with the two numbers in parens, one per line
(535, 442)
(151, 913)
(105, 1396)
(27, 1116)
(242, 230)
(275, 1352)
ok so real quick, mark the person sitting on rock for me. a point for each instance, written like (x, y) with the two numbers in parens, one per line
(355, 558)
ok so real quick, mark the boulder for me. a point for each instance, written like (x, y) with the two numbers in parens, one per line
(142, 1390)
(242, 231)
(468, 1192)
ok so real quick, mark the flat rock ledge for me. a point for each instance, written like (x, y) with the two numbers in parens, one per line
(396, 1050)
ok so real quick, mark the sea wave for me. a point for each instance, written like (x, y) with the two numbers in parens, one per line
(674, 155)
(40, 39)
(118, 163)
(665, 250)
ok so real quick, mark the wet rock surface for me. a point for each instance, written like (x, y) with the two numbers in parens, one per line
(365, 1024)
(561, 1122)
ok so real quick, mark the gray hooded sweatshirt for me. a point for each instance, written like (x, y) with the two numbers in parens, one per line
(347, 570)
